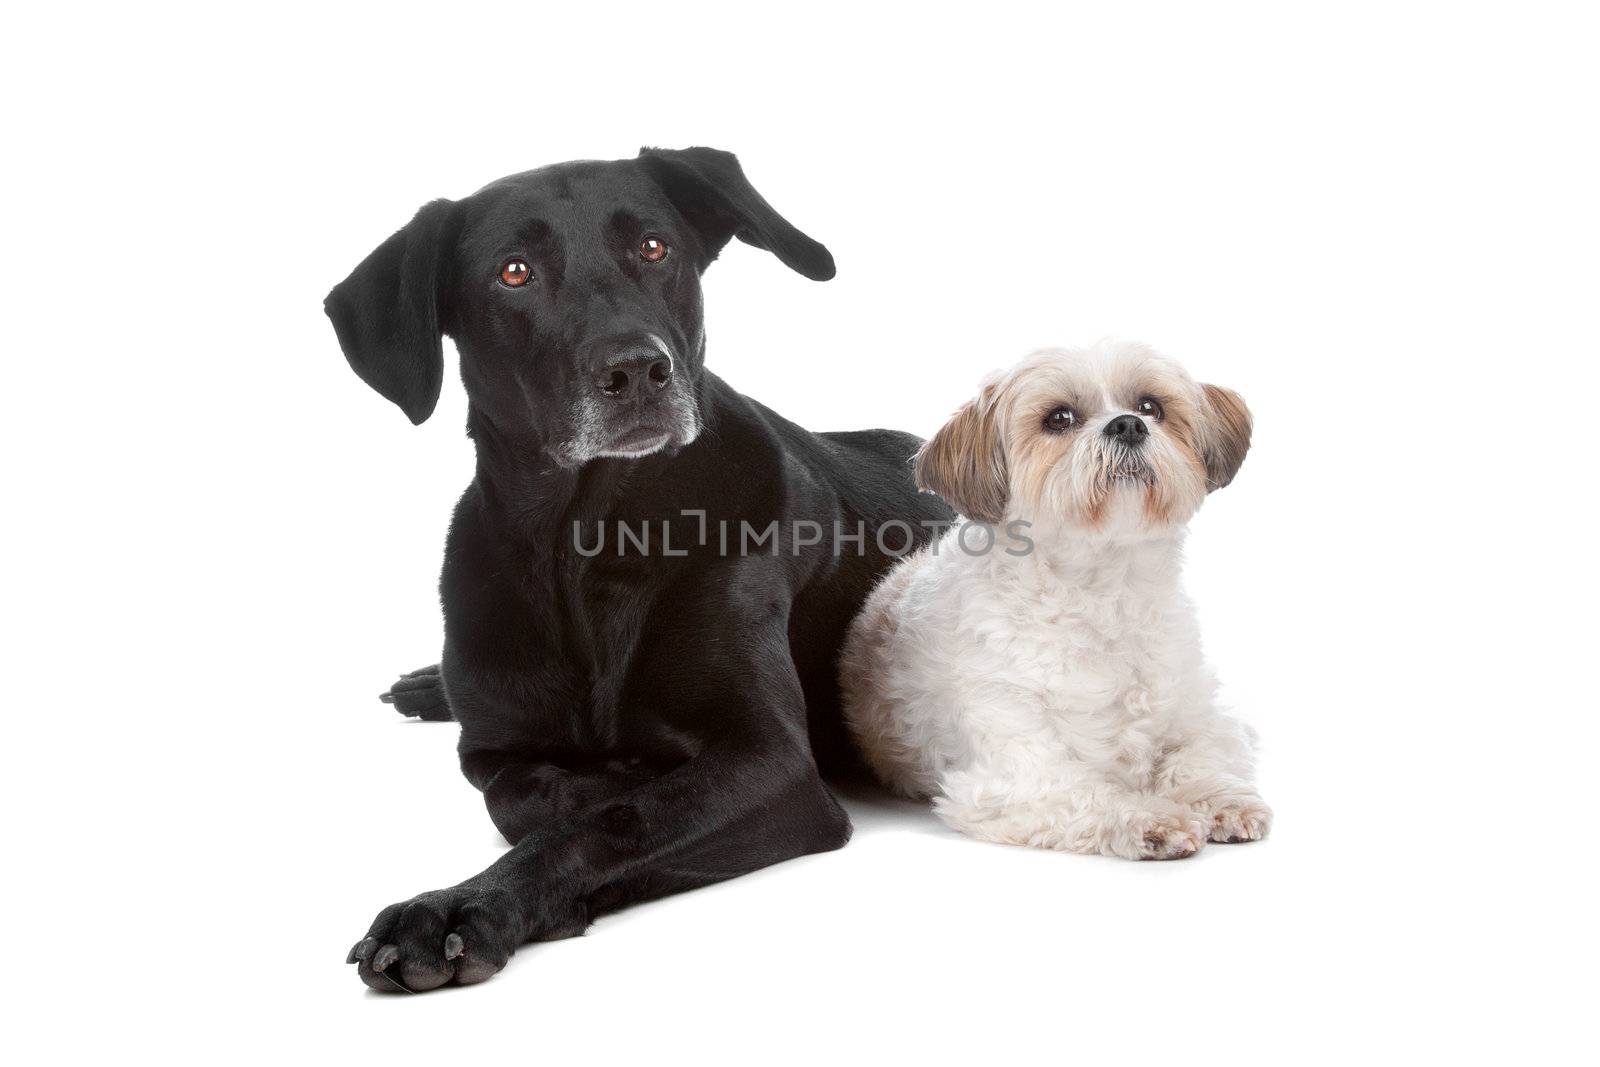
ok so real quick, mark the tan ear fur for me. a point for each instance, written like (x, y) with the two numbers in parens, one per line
(1227, 435)
(965, 462)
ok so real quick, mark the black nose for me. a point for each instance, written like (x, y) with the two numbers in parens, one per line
(1129, 429)
(625, 375)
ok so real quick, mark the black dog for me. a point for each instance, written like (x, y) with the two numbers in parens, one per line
(646, 713)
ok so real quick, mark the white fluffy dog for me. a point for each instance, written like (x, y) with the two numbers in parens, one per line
(1058, 697)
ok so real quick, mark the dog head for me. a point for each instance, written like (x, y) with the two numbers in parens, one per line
(573, 296)
(1114, 438)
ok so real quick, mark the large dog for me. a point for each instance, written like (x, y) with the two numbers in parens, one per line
(648, 581)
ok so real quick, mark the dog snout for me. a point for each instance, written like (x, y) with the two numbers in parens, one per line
(632, 372)
(1128, 429)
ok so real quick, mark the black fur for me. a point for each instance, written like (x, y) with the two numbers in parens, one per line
(639, 723)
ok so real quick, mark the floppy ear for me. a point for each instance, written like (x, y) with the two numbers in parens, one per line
(710, 189)
(965, 462)
(1227, 435)
(387, 312)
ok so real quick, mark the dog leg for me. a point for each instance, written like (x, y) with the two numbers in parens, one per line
(1210, 774)
(524, 795)
(750, 798)
(723, 814)
(1097, 816)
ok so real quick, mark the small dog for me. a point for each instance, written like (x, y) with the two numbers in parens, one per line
(1055, 694)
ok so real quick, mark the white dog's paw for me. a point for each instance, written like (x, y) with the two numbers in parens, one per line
(1242, 819)
(1162, 835)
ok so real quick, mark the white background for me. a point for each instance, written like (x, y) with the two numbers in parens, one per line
(1379, 224)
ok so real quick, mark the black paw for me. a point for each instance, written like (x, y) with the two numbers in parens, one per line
(420, 695)
(462, 935)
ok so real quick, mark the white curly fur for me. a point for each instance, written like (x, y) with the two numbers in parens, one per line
(1060, 698)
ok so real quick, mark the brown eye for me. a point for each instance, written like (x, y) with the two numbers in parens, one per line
(1061, 420)
(1151, 408)
(514, 273)
(653, 249)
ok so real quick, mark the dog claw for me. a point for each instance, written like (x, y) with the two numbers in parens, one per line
(363, 950)
(454, 946)
(386, 955)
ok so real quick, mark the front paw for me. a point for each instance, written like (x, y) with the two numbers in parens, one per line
(1162, 835)
(463, 935)
(1242, 819)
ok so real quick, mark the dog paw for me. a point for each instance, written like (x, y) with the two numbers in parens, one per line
(419, 695)
(1165, 835)
(463, 935)
(1244, 819)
